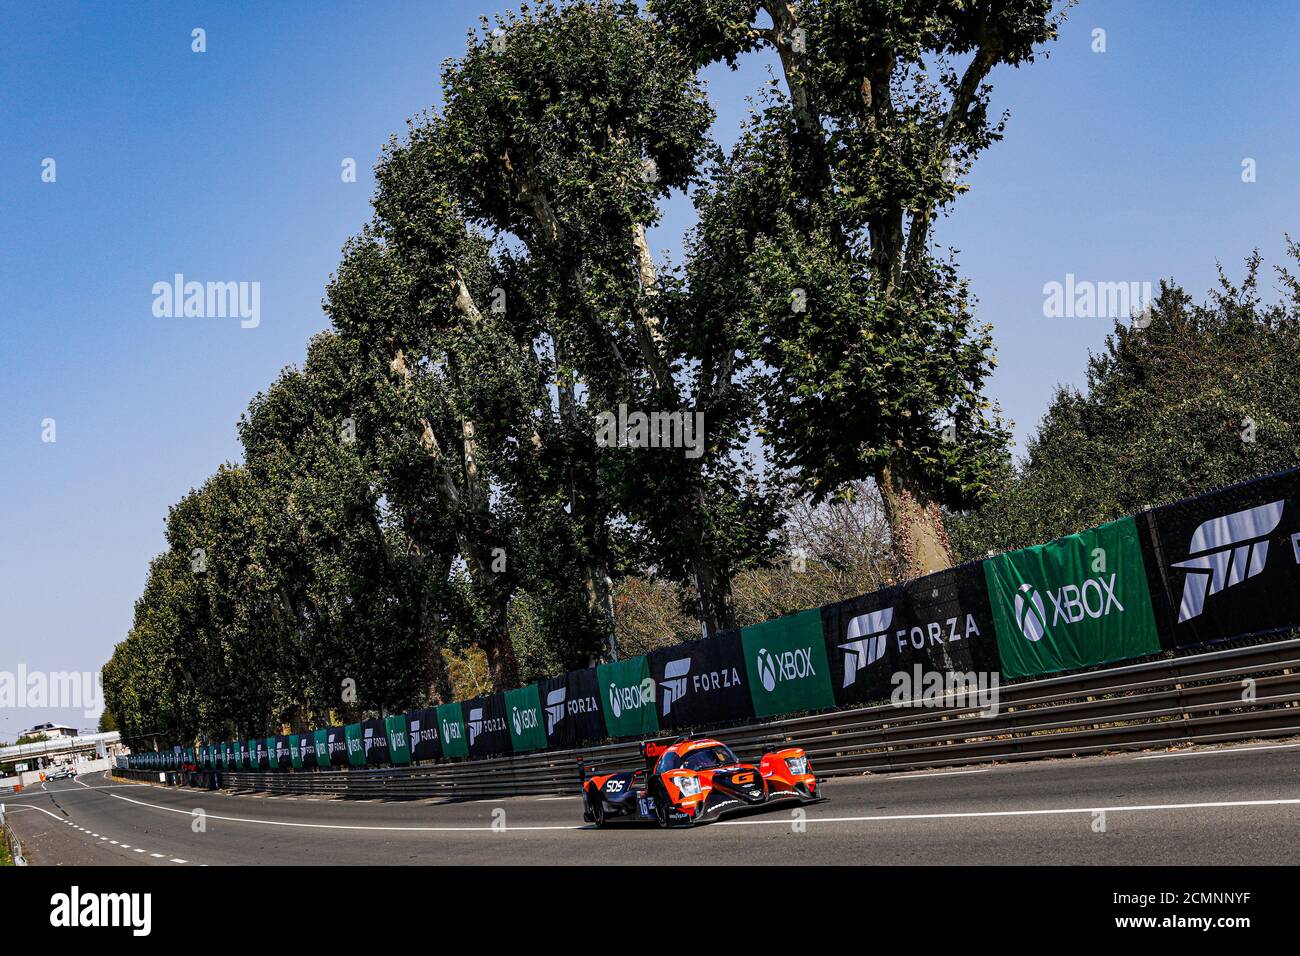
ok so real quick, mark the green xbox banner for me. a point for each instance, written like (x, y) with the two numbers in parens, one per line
(295, 751)
(399, 747)
(321, 744)
(451, 726)
(627, 696)
(524, 715)
(787, 666)
(356, 747)
(242, 762)
(1073, 602)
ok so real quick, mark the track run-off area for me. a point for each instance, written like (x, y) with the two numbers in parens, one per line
(1201, 806)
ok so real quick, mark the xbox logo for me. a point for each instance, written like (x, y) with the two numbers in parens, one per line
(514, 718)
(1031, 618)
(766, 669)
(614, 702)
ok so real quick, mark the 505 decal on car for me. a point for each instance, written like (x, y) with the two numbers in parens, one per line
(695, 780)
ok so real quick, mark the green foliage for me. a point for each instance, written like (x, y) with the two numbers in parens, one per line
(1202, 397)
(816, 228)
(426, 498)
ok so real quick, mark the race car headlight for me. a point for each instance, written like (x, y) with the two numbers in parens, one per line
(798, 765)
(689, 786)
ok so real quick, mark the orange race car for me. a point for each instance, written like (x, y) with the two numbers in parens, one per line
(696, 780)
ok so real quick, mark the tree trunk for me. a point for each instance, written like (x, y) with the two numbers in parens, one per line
(916, 528)
(600, 598)
(713, 595)
(500, 652)
(440, 691)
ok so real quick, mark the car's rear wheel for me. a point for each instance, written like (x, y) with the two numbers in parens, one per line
(597, 806)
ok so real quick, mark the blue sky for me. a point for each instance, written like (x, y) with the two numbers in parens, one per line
(1117, 166)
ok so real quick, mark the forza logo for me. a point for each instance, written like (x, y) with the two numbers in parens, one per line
(868, 638)
(479, 725)
(783, 666)
(676, 686)
(1225, 551)
(863, 651)
(419, 735)
(674, 682)
(555, 708)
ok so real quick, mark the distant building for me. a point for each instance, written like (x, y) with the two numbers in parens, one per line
(51, 731)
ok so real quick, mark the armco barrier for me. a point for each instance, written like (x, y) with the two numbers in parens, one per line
(1196, 699)
(1197, 573)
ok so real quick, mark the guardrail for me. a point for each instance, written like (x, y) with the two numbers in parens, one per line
(10, 839)
(1214, 697)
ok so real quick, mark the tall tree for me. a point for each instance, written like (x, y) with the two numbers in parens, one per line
(564, 128)
(819, 226)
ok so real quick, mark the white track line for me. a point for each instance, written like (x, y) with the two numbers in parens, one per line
(41, 809)
(1216, 752)
(783, 821)
(342, 826)
(1135, 808)
(938, 773)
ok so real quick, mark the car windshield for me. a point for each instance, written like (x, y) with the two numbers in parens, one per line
(706, 758)
(668, 761)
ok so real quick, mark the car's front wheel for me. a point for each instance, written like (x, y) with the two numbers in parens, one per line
(662, 808)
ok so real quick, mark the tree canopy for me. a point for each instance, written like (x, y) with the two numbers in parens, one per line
(1188, 398)
(439, 487)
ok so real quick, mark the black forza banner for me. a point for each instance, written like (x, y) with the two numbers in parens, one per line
(1226, 564)
(337, 746)
(571, 709)
(374, 741)
(422, 728)
(941, 622)
(282, 759)
(701, 682)
(487, 733)
(307, 749)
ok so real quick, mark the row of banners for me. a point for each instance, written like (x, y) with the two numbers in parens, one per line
(1220, 566)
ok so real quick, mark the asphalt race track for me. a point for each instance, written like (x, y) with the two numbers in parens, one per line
(1208, 806)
